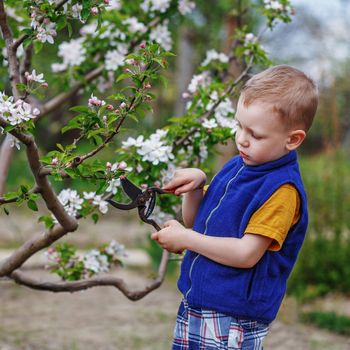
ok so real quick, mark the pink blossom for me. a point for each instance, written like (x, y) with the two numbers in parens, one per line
(94, 11)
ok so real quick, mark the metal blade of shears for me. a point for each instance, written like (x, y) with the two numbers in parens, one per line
(129, 188)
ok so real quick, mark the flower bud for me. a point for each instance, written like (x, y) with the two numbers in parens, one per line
(104, 119)
(54, 161)
(123, 105)
(147, 86)
(186, 95)
(94, 11)
(144, 186)
(109, 165)
(122, 165)
(142, 45)
(45, 85)
(110, 107)
(106, 2)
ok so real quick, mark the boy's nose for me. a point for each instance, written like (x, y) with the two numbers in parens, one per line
(242, 139)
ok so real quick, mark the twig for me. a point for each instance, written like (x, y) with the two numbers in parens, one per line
(35, 189)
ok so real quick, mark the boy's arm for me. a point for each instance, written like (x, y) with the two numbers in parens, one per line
(242, 252)
(190, 204)
(189, 182)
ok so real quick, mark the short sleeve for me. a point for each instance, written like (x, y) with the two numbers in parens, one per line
(276, 216)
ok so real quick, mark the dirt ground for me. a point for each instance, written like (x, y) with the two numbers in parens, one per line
(103, 319)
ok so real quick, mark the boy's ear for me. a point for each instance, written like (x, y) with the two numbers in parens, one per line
(295, 139)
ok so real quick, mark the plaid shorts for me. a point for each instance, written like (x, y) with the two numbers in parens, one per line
(198, 329)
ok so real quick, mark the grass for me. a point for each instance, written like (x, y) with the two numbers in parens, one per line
(328, 320)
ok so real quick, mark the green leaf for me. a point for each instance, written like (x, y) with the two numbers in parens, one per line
(123, 76)
(47, 220)
(59, 146)
(24, 189)
(95, 218)
(21, 87)
(38, 45)
(32, 205)
(70, 29)
(72, 173)
(80, 109)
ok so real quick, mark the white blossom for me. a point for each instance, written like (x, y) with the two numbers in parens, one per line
(162, 36)
(114, 5)
(95, 101)
(115, 248)
(39, 78)
(134, 26)
(71, 201)
(203, 151)
(133, 142)
(155, 150)
(168, 174)
(115, 58)
(89, 195)
(89, 29)
(16, 112)
(113, 185)
(209, 124)
(46, 32)
(95, 261)
(214, 55)
(250, 38)
(155, 5)
(186, 7)
(200, 80)
(14, 142)
(101, 204)
(76, 10)
(73, 54)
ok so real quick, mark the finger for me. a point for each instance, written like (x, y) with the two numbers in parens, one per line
(184, 189)
(154, 236)
(170, 223)
(176, 182)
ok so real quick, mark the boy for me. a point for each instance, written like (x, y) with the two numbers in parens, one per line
(248, 227)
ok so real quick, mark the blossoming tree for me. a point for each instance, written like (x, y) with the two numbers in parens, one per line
(123, 45)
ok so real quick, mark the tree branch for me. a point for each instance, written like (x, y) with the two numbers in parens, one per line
(29, 248)
(23, 279)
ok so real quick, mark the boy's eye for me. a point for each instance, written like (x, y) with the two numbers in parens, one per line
(256, 137)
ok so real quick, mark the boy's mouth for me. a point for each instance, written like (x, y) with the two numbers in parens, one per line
(243, 155)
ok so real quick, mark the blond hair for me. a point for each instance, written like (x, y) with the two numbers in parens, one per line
(293, 95)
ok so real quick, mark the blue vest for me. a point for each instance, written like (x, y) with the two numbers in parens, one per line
(234, 194)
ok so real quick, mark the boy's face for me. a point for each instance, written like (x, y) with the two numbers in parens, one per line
(261, 137)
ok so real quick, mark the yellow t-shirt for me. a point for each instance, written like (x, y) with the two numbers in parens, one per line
(276, 216)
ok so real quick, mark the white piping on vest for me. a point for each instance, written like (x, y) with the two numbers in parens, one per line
(206, 225)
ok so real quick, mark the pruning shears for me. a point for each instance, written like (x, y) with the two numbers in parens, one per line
(143, 200)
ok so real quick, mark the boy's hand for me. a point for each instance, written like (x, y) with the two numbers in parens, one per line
(172, 237)
(186, 180)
